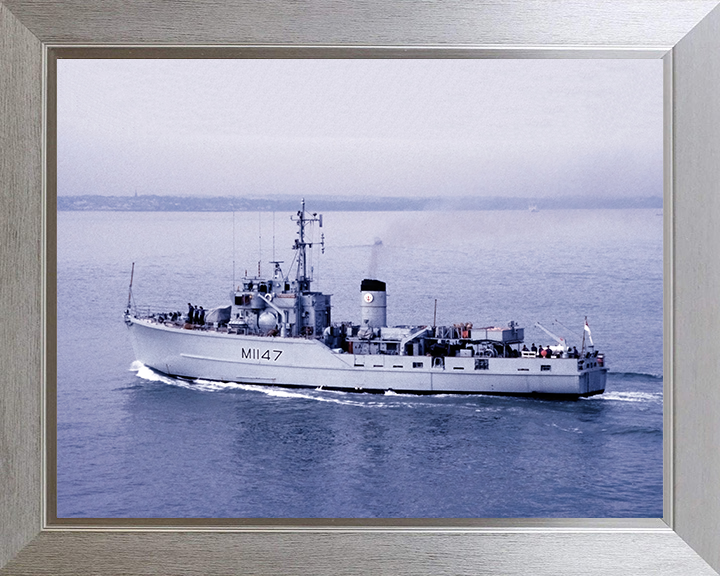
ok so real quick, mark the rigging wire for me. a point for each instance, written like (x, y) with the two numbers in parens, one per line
(259, 242)
(233, 248)
(273, 250)
(292, 263)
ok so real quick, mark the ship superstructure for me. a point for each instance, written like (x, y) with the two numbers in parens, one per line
(279, 306)
(278, 331)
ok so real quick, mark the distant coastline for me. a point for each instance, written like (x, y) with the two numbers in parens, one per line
(155, 203)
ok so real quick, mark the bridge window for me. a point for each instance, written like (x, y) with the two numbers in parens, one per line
(545, 367)
(418, 364)
(242, 300)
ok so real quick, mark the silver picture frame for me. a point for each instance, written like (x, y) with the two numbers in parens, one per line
(684, 33)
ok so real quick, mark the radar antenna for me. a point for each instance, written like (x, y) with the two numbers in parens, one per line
(302, 219)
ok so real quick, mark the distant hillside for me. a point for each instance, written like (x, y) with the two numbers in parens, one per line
(153, 203)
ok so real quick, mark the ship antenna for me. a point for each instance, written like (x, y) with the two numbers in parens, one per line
(132, 273)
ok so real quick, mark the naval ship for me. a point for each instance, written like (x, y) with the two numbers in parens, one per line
(278, 331)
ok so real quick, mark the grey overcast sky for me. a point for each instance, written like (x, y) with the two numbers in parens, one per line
(528, 128)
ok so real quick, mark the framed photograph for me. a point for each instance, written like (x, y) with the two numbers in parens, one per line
(382, 344)
(684, 540)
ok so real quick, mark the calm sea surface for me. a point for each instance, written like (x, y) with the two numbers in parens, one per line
(133, 443)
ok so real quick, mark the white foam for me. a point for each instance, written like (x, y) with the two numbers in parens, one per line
(276, 392)
(629, 397)
(572, 430)
(389, 399)
(142, 371)
(212, 385)
(332, 396)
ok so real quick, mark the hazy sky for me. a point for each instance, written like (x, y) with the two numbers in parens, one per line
(360, 127)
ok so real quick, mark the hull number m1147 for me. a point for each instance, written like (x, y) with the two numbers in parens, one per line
(257, 354)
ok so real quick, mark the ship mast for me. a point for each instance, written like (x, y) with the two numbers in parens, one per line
(303, 278)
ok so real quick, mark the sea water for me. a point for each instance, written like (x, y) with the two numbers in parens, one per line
(132, 443)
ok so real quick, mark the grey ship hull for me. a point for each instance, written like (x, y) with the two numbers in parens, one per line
(307, 362)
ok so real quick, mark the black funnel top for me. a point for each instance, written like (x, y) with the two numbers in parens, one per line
(368, 285)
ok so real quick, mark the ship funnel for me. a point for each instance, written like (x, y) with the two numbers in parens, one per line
(373, 303)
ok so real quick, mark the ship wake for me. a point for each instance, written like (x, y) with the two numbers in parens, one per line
(388, 400)
(648, 397)
(318, 394)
